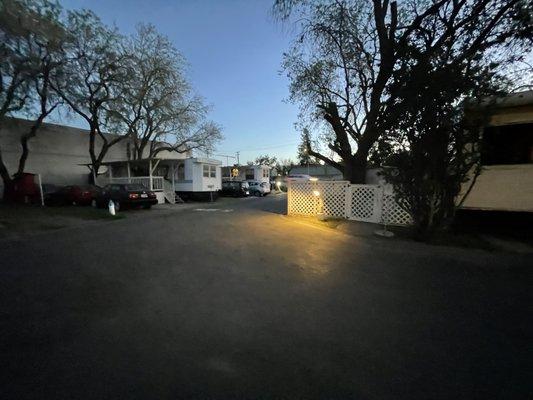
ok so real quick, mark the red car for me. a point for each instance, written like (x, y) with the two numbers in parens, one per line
(74, 194)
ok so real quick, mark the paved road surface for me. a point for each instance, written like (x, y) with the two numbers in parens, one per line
(244, 303)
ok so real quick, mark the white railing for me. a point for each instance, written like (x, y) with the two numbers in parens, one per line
(168, 190)
(157, 181)
(340, 199)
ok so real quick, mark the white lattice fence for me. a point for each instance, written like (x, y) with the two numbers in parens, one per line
(364, 202)
(333, 195)
(300, 199)
(303, 199)
(392, 213)
(340, 199)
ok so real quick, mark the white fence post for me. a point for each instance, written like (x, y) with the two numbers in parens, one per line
(348, 201)
(378, 204)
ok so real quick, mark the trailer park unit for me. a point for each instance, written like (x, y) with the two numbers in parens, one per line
(190, 178)
(259, 173)
(506, 180)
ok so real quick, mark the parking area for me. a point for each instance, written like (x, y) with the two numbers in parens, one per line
(244, 302)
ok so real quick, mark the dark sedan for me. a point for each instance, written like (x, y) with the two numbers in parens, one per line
(126, 195)
(235, 188)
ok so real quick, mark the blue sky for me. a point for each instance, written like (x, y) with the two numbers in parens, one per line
(234, 48)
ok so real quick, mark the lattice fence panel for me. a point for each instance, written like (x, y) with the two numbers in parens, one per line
(365, 203)
(301, 200)
(340, 199)
(393, 213)
(334, 197)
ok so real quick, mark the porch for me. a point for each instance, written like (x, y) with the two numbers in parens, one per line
(157, 175)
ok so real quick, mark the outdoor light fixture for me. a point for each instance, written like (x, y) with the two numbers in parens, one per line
(316, 193)
(313, 179)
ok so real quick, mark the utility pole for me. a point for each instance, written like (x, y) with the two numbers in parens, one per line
(237, 154)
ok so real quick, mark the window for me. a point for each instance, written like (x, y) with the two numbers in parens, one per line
(209, 171)
(508, 144)
(266, 173)
(249, 174)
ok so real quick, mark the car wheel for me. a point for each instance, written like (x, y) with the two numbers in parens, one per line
(147, 206)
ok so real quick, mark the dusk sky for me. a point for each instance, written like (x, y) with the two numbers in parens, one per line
(234, 49)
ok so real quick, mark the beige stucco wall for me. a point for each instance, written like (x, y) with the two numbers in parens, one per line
(57, 151)
(505, 187)
(512, 115)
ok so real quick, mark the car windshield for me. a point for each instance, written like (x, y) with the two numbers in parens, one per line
(245, 185)
(134, 186)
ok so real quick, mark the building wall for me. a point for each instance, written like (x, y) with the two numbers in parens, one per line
(57, 151)
(505, 187)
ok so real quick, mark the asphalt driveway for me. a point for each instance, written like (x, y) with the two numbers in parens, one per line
(234, 300)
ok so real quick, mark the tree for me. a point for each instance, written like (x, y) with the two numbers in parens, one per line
(92, 79)
(304, 158)
(349, 53)
(157, 109)
(266, 160)
(436, 132)
(32, 38)
(284, 167)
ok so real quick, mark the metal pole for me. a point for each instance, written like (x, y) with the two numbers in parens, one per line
(150, 171)
(40, 189)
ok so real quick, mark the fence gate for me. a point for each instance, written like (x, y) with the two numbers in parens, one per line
(340, 199)
(364, 203)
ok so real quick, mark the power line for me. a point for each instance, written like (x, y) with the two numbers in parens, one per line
(271, 147)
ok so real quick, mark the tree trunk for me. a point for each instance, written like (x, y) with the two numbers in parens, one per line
(24, 144)
(6, 178)
(355, 169)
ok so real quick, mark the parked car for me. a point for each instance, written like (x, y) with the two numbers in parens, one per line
(259, 188)
(235, 188)
(126, 195)
(50, 196)
(297, 178)
(75, 195)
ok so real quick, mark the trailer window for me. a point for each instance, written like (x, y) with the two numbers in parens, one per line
(209, 171)
(249, 174)
(508, 144)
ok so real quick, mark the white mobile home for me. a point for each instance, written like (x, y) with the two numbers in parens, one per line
(260, 173)
(190, 178)
(197, 176)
